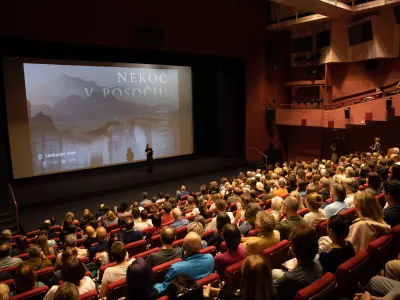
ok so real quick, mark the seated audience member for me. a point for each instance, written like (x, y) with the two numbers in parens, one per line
(190, 204)
(45, 230)
(201, 220)
(156, 224)
(339, 176)
(255, 283)
(6, 237)
(374, 183)
(218, 238)
(25, 280)
(105, 257)
(235, 250)
(86, 217)
(67, 228)
(111, 219)
(161, 198)
(198, 228)
(140, 281)
(37, 260)
(22, 245)
(338, 194)
(194, 264)
(304, 247)
(259, 188)
(292, 182)
(235, 197)
(324, 188)
(302, 187)
(41, 240)
(220, 207)
(6, 260)
(144, 222)
(267, 236)
(179, 221)
(111, 274)
(351, 185)
(73, 271)
(136, 214)
(276, 205)
(71, 241)
(67, 252)
(130, 234)
(340, 249)
(395, 172)
(52, 232)
(316, 214)
(90, 237)
(363, 175)
(297, 195)
(250, 217)
(289, 209)
(145, 200)
(182, 192)
(4, 291)
(168, 252)
(370, 224)
(392, 196)
(67, 291)
(167, 217)
(101, 245)
(281, 191)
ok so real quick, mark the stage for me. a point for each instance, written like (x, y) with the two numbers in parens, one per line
(40, 197)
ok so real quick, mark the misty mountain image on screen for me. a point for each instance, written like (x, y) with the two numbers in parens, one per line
(73, 128)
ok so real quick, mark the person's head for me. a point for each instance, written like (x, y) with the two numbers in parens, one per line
(5, 250)
(231, 236)
(118, 252)
(67, 291)
(160, 195)
(196, 227)
(383, 173)
(338, 192)
(392, 191)
(192, 243)
(324, 183)
(292, 205)
(201, 220)
(220, 206)
(351, 185)
(304, 243)
(222, 219)
(314, 202)
(302, 186)
(157, 220)
(93, 223)
(67, 252)
(167, 208)
(6, 234)
(173, 201)
(340, 170)
(34, 251)
(71, 240)
(311, 188)
(265, 222)
(144, 215)
(350, 172)
(338, 228)
(367, 206)
(25, 279)
(4, 290)
(140, 279)
(145, 195)
(41, 240)
(282, 182)
(70, 216)
(136, 213)
(256, 281)
(251, 212)
(90, 231)
(364, 172)
(259, 186)
(101, 234)
(276, 203)
(168, 235)
(72, 270)
(190, 200)
(374, 181)
(176, 213)
(183, 188)
(22, 244)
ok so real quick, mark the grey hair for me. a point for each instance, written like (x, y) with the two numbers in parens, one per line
(34, 251)
(71, 240)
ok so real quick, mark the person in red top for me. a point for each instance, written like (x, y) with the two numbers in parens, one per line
(167, 217)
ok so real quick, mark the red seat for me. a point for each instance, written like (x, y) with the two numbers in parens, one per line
(136, 247)
(277, 254)
(10, 270)
(181, 232)
(352, 272)
(116, 289)
(160, 271)
(284, 196)
(35, 294)
(232, 275)
(232, 207)
(329, 201)
(222, 248)
(350, 214)
(115, 230)
(155, 241)
(147, 253)
(213, 278)
(209, 250)
(91, 295)
(32, 234)
(260, 196)
(44, 275)
(380, 252)
(207, 235)
(267, 204)
(183, 197)
(303, 211)
(381, 199)
(361, 188)
(112, 227)
(103, 268)
(84, 260)
(208, 220)
(23, 256)
(253, 232)
(178, 243)
(321, 289)
(322, 228)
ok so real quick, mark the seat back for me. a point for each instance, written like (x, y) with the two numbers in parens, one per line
(91, 295)
(381, 199)
(321, 289)
(10, 270)
(352, 272)
(212, 279)
(322, 228)
(303, 211)
(136, 247)
(155, 241)
(116, 289)
(350, 214)
(23, 256)
(253, 232)
(32, 234)
(181, 232)
(277, 254)
(209, 250)
(112, 227)
(233, 275)
(10, 283)
(329, 201)
(44, 275)
(160, 271)
(147, 253)
(380, 252)
(207, 235)
(178, 243)
(34, 294)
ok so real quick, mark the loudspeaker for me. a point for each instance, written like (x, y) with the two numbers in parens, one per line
(347, 113)
(388, 103)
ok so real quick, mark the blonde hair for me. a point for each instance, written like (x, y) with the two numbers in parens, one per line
(4, 290)
(368, 207)
(196, 227)
(276, 203)
(314, 201)
(111, 216)
(265, 222)
(297, 195)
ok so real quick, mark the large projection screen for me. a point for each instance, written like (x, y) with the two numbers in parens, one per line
(72, 115)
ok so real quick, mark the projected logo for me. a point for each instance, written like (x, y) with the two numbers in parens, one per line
(86, 116)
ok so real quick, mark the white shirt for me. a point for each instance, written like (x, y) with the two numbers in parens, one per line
(143, 225)
(115, 273)
(349, 200)
(213, 223)
(89, 285)
(313, 218)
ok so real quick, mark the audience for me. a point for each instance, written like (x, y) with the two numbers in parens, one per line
(179, 221)
(374, 183)
(25, 280)
(392, 196)
(182, 192)
(6, 261)
(6, 237)
(316, 213)
(145, 201)
(41, 240)
(157, 226)
(37, 260)
(67, 291)
(281, 191)
(289, 210)
(130, 234)
(22, 245)
(198, 228)
(71, 241)
(276, 206)
(101, 245)
(144, 221)
(218, 238)
(140, 281)
(167, 216)
(220, 207)
(111, 219)
(105, 257)
(351, 185)
(90, 237)
(324, 191)
(194, 264)
(338, 195)
(249, 218)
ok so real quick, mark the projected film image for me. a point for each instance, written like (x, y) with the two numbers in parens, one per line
(91, 116)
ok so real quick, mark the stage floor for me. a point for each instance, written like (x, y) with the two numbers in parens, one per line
(40, 198)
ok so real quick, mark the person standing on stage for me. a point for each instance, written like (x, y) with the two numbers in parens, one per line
(149, 154)
(377, 146)
(334, 152)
